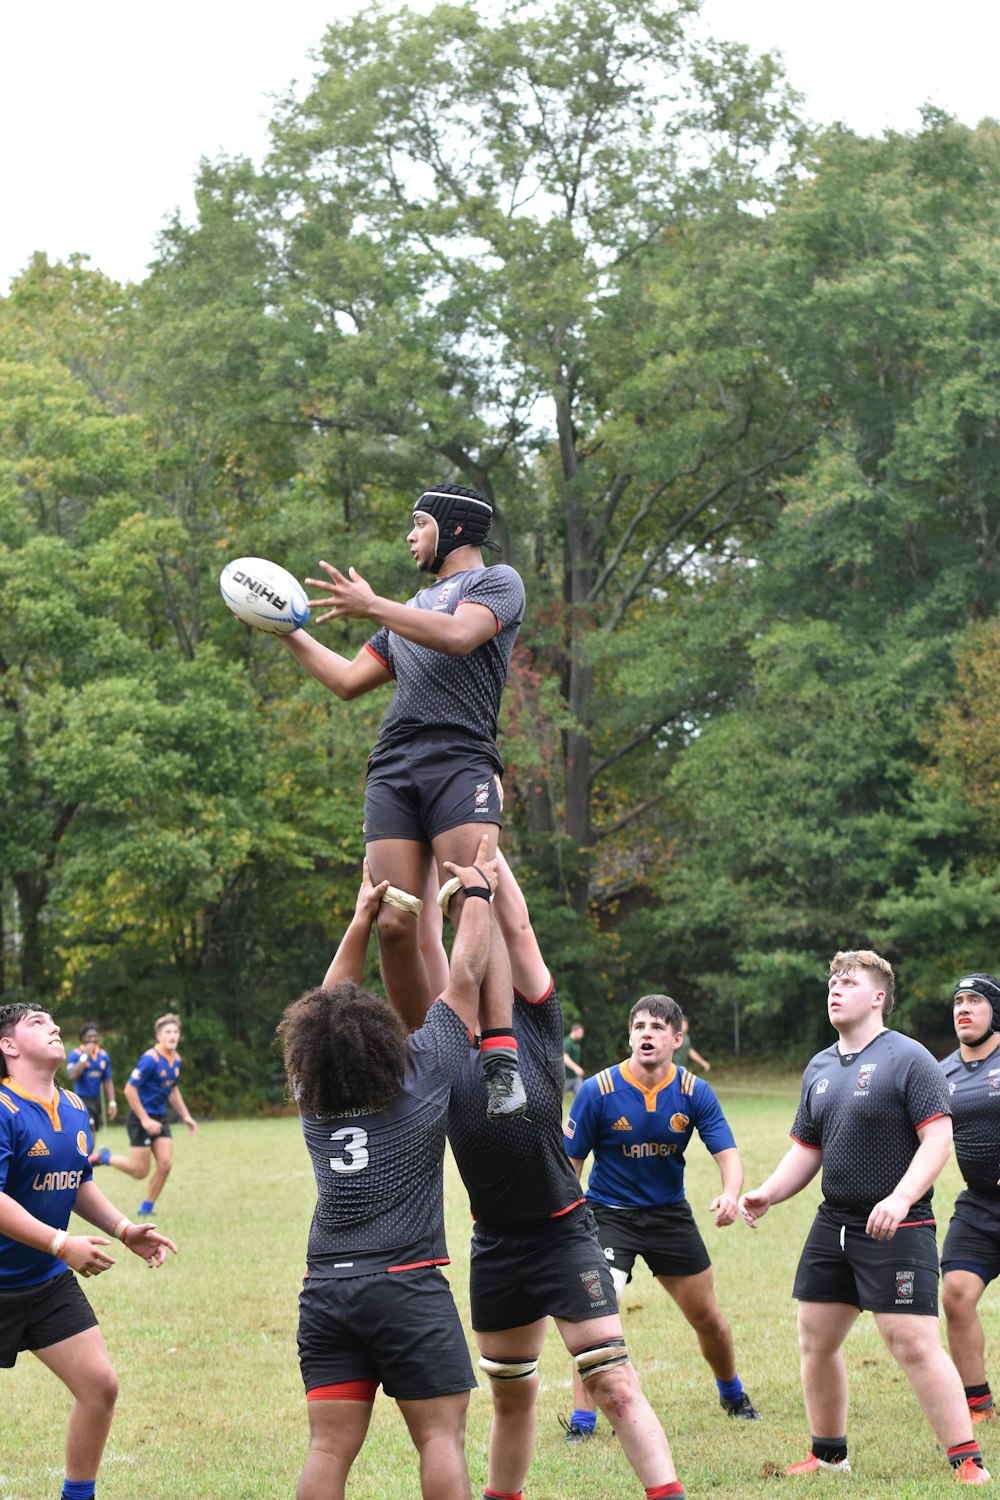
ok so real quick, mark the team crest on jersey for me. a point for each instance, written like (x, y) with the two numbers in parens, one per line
(81, 1143)
(864, 1078)
(679, 1123)
(444, 594)
(822, 1086)
(995, 1080)
(905, 1281)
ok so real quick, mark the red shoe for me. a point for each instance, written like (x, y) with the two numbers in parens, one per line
(970, 1472)
(811, 1464)
(983, 1413)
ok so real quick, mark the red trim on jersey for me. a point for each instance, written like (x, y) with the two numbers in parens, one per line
(805, 1143)
(416, 1265)
(480, 605)
(939, 1116)
(542, 998)
(380, 659)
(490, 1043)
(344, 1390)
(568, 1209)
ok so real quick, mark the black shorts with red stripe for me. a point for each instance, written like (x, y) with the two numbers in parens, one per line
(841, 1263)
(400, 1330)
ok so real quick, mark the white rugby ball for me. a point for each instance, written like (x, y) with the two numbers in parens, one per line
(264, 595)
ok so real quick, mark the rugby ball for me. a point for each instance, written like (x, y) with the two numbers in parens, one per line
(264, 595)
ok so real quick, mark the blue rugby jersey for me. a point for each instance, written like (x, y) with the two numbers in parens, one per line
(44, 1150)
(639, 1135)
(154, 1076)
(88, 1083)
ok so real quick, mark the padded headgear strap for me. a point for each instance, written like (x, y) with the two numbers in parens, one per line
(450, 506)
(987, 986)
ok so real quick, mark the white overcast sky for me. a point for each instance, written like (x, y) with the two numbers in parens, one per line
(107, 108)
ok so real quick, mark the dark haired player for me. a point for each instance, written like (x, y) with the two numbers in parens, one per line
(535, 1252)
(433, 774)
(970, 1258)
(874, 1114)
(45, 1176)
(375, 1307)
(638, 1118)
(88, 1068)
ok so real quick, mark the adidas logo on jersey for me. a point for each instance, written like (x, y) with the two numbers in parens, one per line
(39, 1149)
(621, 1124)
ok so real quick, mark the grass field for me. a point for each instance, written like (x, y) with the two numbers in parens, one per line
(211, 1403)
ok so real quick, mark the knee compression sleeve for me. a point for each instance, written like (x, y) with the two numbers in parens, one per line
(597, 1358)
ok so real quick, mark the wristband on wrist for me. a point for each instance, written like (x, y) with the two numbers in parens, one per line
(479, 890)
(122, 1228)
(58, 1244)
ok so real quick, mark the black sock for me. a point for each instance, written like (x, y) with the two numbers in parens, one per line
(830, 1450)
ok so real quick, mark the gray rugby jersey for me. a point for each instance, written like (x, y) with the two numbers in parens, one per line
(379, 1177)
(975, 1105)
(457, 694)
(863, 1110)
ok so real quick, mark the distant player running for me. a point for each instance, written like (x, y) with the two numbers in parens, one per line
(874, 1115)
(432, 784)
(44, 1177)
(375, 1307)
(151, 1090)
(88, 1068)
(970, 1259)
(638, 1118)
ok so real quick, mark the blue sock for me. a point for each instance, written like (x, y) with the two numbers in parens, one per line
(730, 1389)
(587, 1420)
(78, 1489)
(146, 1207)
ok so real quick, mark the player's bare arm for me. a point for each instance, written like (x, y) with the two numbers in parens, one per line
(935, 1147)
(795, 1170)
(725, 1206)
(349, 960)
(345, 678)
(177, 1102)
(456, 635)
(149, 1125)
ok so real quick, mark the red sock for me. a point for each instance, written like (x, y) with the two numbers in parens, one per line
(661, 1491)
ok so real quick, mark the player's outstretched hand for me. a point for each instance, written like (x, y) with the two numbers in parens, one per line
(481, 872)
(753, 1206)
(352, 596)
(725, 1208)
(143, 1240)
(83, 1254)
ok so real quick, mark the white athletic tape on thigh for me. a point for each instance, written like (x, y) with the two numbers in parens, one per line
(507, 1369)
(395, 897)
(592, 1361)
(447, 891)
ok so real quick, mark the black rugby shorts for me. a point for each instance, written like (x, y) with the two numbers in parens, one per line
(973, 1239)
(558, 1271)
(840, 1263)
(36, 1317)
(400, 1329)
(421, 789)
(667, 1239)
(138, 1134)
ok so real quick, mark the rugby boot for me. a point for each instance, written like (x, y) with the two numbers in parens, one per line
(740, 1406)
(812, 1465)
(983, 1413)
(969, 1472)
(505, 1096)
(574, 1432)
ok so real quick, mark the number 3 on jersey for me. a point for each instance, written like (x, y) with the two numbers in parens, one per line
(353, 1145)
